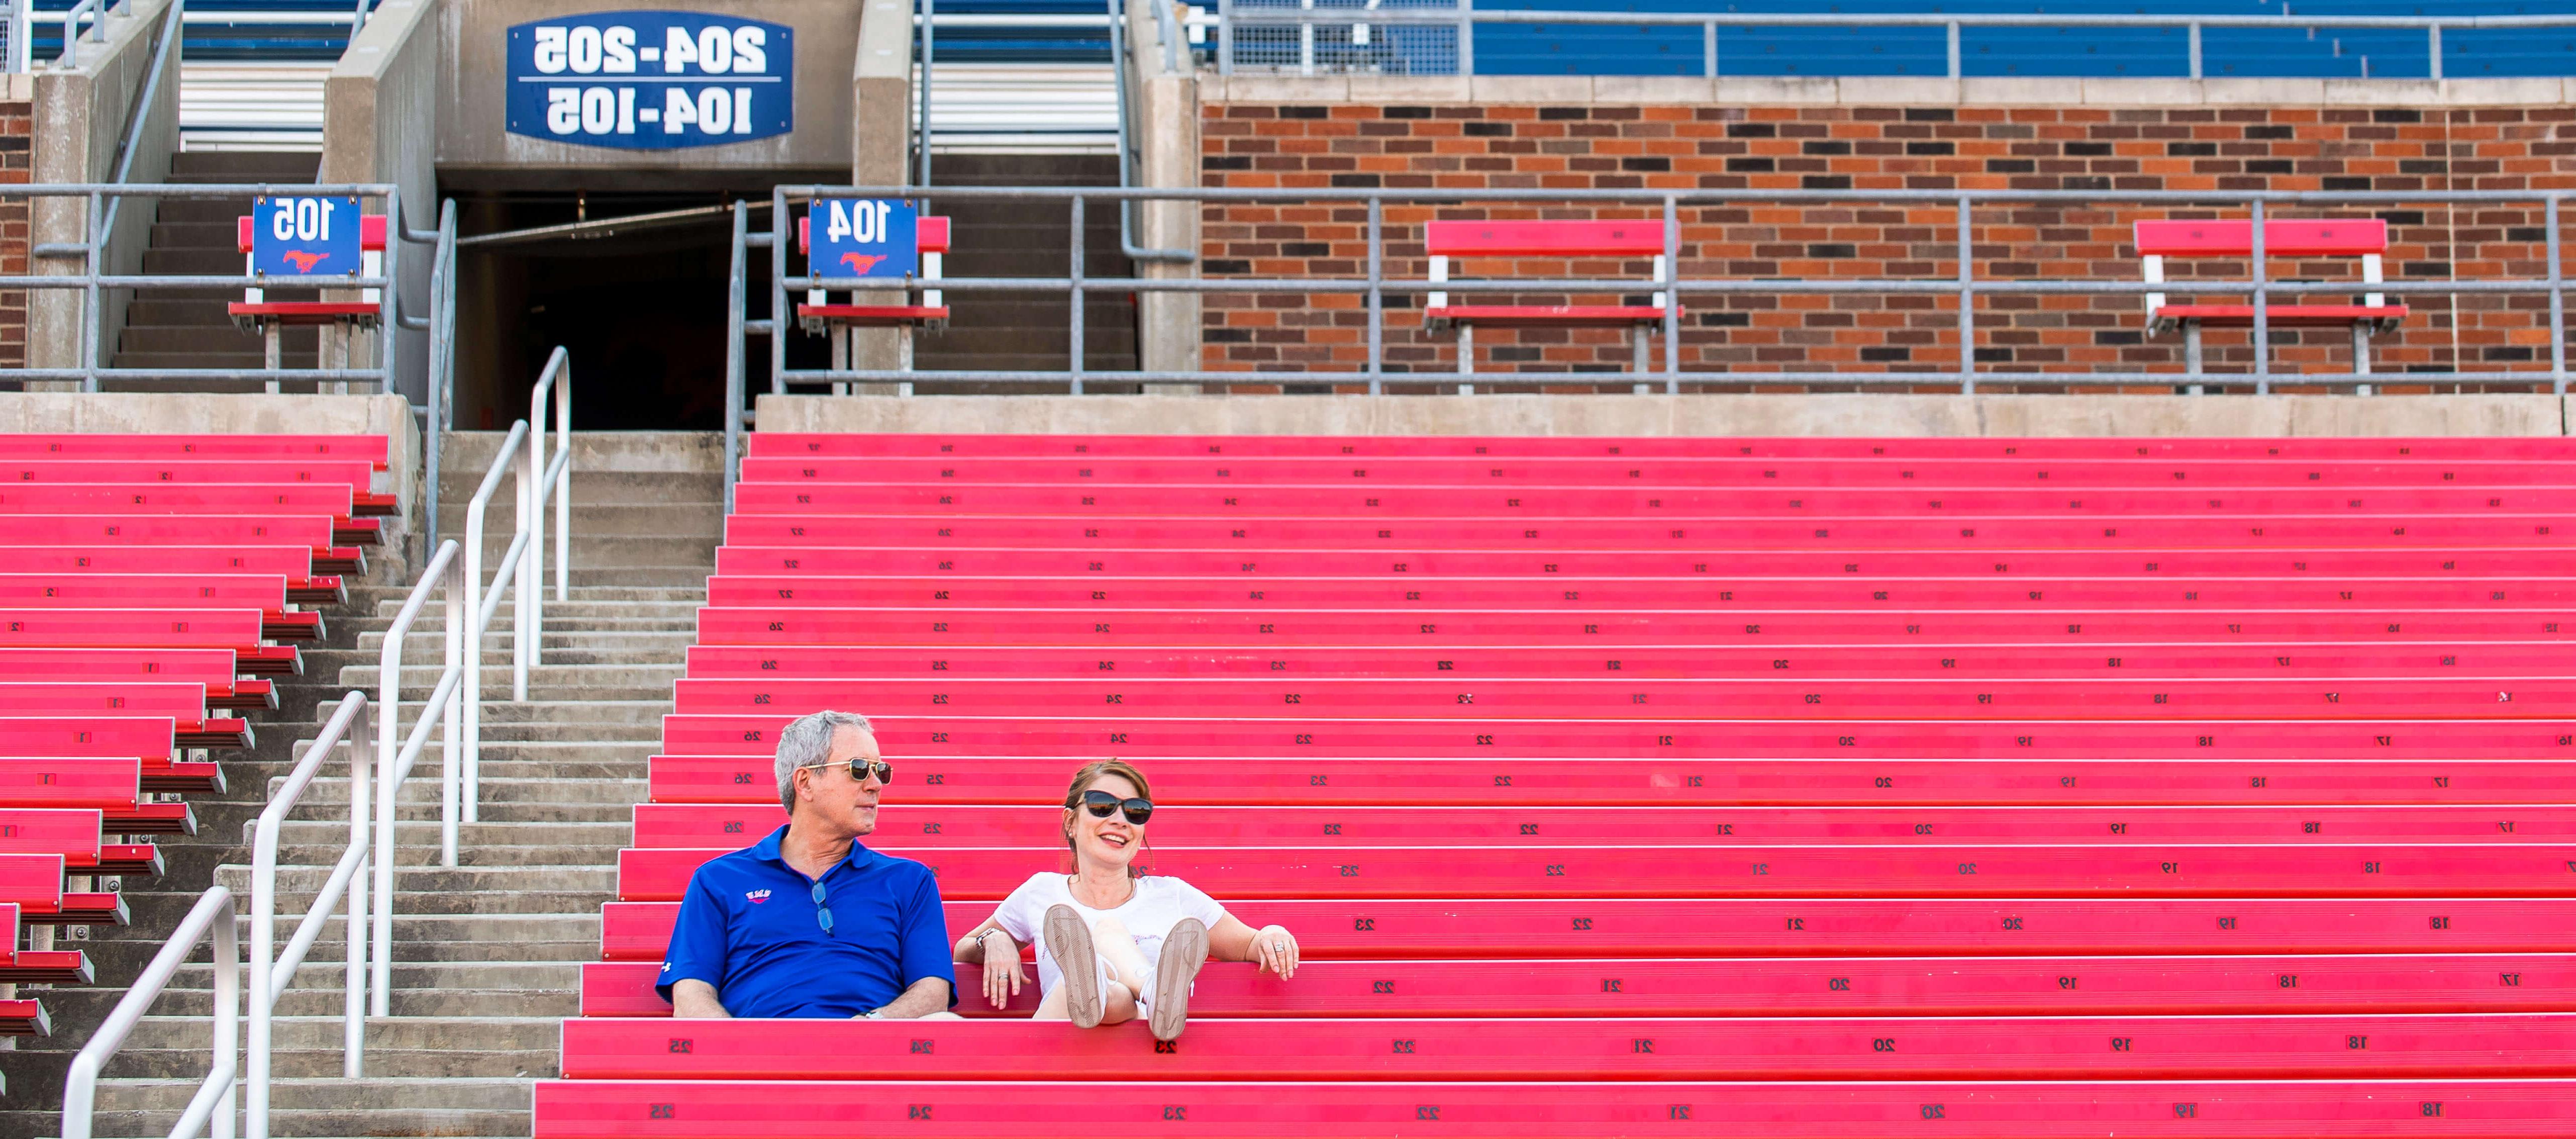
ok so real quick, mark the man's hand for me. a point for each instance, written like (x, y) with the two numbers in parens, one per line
(1001, 968)
(926, 996)
(696, 1000)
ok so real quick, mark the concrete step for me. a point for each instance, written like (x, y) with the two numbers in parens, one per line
(178, 1042)
(546, 682)
(571, 786)
(387, 1106)
(470, 988)
(627, 644)
(673, 452)
(422, 838)
(667, 516)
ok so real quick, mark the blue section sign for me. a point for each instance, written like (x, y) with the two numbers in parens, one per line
(305, 237)
(863, 237)
(651, 80)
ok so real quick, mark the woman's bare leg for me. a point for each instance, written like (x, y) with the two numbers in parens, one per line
(1128, 975)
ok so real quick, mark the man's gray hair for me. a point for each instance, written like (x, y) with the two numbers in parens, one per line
(808, 742)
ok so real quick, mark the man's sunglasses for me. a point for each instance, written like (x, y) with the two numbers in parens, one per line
(860, 769)
(1100, 803)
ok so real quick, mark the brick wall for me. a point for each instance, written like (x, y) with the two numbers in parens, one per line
(2110, 150)
(17, 135)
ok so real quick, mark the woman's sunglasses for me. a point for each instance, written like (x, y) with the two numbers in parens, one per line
(860, 769)
(1100, 803)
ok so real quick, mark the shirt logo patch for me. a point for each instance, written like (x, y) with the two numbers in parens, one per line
(757, 896)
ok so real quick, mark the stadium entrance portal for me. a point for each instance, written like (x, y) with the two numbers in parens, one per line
(631, 281)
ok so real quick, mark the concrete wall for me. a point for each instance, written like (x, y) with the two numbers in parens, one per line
(1166, 106)
(1765, 415)
(473, 126)
(380, 117)
(2107, 136)
(880, 137)
(252, 414)
(80, 113)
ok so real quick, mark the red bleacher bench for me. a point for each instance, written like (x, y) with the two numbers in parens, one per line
(1817, 1109)
(355, 473)
(1561, 240)
(215, 670)
(338, 320)
(949, 446)
(376, 449)
(330, 539)
(817, 315)
(2363, 238)
(138, 591)
(74, 834)
(154, 740)
(34, 883)
(1263, 777)
(185, 704)
(294, 563)
(1519, 928)
(236, 630)
(37, 966)
(114, 787)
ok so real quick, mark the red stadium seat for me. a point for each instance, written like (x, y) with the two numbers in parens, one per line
(1583, 241)
(2363, 239)
(34, 883)
(768, 444)
(375, 449)
(927, 826)
(294, 563)
(1908, 473)
(319, 533)
(2067, 1109)
(177, 591)
(37, 966)
(1013, 775)
(2234, 985)
(75, 836)
(152, 739)
(1530, 928)
(113, 787)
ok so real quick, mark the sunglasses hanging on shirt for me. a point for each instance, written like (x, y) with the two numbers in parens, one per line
(1100, 803)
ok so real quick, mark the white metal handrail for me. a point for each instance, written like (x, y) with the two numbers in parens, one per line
(271, 971)
(528, 648)
(213, 915)
(445, 573)
(505, 577)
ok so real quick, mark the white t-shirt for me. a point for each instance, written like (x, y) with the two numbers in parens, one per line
(1160, 902)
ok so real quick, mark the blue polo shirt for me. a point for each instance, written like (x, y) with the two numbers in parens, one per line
(748, 927)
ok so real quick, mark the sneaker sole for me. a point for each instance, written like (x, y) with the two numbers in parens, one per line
(1183, 952)
(1069, 942)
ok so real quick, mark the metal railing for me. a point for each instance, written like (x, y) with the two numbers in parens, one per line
(272, 971)
(97, 11)
(438, 397)
(212, 916)
(444, 574)
(1965, 286)
(93, 283)
(1303, 18)
(528, 647)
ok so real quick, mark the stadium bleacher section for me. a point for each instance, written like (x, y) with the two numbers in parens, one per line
(1704, 787)
(133, 628)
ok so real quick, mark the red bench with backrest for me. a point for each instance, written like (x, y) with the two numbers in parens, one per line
(1601, 471)
(265, 592)
(74, 834)
(152, 739)
(817, 315)
(112, 786)
(294, 563)
(185, 704)
(339, 320)
(2365, 239)
(1576, 241)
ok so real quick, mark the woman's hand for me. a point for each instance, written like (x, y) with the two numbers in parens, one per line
(1001, 967)
(1274, 949)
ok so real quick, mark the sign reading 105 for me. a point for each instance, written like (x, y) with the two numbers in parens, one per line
(651, 80)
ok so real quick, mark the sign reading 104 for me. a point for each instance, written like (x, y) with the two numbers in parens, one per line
(863, 237)
(651, 80)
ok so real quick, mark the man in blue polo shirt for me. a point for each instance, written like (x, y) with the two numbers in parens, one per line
(807, 922)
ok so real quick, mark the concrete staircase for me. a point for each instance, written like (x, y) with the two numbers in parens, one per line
(486, 954)
(188, 328)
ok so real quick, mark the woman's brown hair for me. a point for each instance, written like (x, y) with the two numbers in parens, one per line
(1083, 778)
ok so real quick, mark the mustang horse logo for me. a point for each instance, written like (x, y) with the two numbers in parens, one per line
(304, 261)
(860, 263)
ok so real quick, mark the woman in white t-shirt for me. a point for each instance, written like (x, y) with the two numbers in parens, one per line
(1114, 945)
